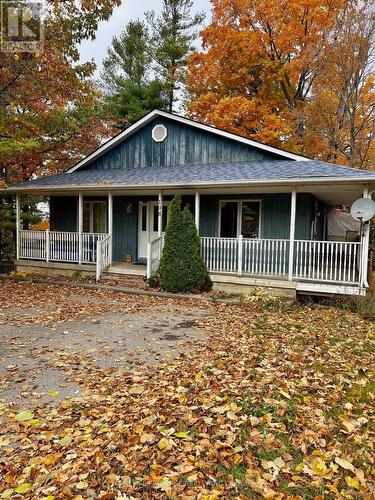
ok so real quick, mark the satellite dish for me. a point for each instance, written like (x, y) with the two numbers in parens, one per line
(363, 209)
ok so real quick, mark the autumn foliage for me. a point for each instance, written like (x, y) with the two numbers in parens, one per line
(297, 75)
(267, 401)
(48, 114)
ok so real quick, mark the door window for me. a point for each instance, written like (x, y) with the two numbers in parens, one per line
(250, 219)
(144, 217)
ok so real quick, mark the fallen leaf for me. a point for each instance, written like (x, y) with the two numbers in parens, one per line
(23, 488)
(344, 464)
(25, 415)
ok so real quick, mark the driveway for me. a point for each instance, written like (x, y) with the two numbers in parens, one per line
(52, 332)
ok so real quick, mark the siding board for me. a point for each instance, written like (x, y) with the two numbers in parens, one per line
(183, 145)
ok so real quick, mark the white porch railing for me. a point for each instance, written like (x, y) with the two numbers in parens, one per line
(327, 261)
(60, 246)
(63, 246)
(154, 251)
(103, 252)
(320, 261)
(317, 261)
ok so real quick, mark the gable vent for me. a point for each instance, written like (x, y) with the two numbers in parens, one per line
(159, 133)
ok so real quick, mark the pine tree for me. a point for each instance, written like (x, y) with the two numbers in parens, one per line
(181, 266)
(171, 41)
(131, 91)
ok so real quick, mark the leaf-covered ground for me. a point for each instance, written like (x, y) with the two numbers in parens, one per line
(276, 401)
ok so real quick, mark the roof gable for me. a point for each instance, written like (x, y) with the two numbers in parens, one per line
(187, 142)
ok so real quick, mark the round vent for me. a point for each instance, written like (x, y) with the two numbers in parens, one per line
(159, 133)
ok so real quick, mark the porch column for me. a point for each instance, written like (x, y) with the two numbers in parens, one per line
(110, 223)
(292, 232)
(80, 226)
(197, 209)
(18, 225)
(365, 241)
(160, 214)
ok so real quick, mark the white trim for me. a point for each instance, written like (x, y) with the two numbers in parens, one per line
(18, 225)
(150, 204)
(165, 132)
(160, 214)
(240, 202)
(110, 224)
(293, 207)
(330, 289)
(197, 208)
(80, 226)
(158, 113)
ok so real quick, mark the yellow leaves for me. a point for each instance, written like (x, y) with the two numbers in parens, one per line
(258, 484)
(23, 488)
(345, 464)
(82, 485)
(352, 482)
(300, 467)
(319, 467)
(7, 493)
(53, 394)
(165, 484)
(182, 435)
(164, 444)
(65, 441)
(137, 389)
(52, 459)
(168, 439)
(25, 415)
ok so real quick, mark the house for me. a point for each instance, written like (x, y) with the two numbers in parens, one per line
(261, 212)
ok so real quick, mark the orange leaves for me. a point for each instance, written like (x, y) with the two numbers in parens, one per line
(278, 72)
(271, 403)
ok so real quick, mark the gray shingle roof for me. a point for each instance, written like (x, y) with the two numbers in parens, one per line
(207, 173)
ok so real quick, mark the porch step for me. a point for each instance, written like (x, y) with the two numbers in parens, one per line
(126, 269)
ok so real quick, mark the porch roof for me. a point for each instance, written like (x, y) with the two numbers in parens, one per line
(272, 172)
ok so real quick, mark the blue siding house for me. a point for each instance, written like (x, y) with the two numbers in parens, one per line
(261, 212)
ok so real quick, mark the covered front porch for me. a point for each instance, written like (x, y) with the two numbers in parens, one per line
(250, 235)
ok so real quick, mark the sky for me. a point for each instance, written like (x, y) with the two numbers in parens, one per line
(128, 10)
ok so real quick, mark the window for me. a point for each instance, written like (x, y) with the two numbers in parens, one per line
(159, 133)
(239, 217)
(250, 219)
(144, 217)
(94, 217)
(228, 219)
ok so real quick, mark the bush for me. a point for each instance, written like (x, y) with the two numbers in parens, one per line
(181, 266)
(154, 280)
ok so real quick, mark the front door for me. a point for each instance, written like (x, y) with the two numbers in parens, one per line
(148, 224)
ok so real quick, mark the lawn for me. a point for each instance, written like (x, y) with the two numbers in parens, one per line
(269, 400)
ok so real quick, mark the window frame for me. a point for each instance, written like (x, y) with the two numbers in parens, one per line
(91, 215)
(240, 203)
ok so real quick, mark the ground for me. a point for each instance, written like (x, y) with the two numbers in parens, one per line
(116, 396)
